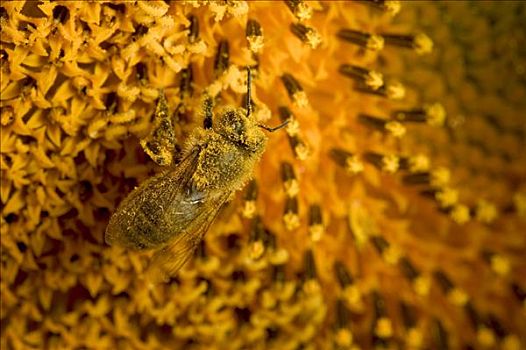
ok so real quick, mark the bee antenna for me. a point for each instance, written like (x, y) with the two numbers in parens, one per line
(268, 128)
(249, 83)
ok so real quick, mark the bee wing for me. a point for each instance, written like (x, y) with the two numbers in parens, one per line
(159, 209)
(176, 253)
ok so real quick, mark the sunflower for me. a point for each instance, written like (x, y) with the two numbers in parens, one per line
(388, 213)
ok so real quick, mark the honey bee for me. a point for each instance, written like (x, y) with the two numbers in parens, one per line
(171, 212)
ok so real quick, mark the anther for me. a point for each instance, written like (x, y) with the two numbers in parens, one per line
(342, 314)
(383, 327)
(342, 274)
(420, 42)
(290, 183)
(257, 238)
(186, 82)
(315, 223)
(193, 29)
(61, 13)
(290, 215)
(390, 6)
(306, 34)
(432, 114)
(380, 244)
(294, 90)
(393, 127)
(349, 161)
(420, 284)
(473, 315)
(440, 335)
(370, 78)
(222, 58)
(392, 90)
(460, 213)
(343, 336)
(309, 265)
(446, 197)
(498, 263)
(249, 199)
(286, 115)
(415, 164)
(140, 72)
(299, 147)
(387, 163)
(300, 9)
(485, 212)
(422, 178)
(278, 274)
(408, 269)
(408, 315)
(485, 336)
(366, 40)
(444, 282)
(254, 36)
(454, 294)
(438, 177)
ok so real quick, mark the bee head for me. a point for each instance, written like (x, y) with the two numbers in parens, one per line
(235, 126)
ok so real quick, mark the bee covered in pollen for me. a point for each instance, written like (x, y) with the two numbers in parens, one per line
(171, 212)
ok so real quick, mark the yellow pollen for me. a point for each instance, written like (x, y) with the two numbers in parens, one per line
(384, 328)
(256, 250)
(291, 221)
(422, 285)
(395, 128)
(313, 38)
(423, 44)
(447, 197)
(343, 337)
(302, 151)
(415, 338)
(511, 342)
(457, 297)
(353, 296)
(292, 187)
(486, 337)
(486, 212)
(311, 287)
(279, 257)
(353, 165)
(395, 91)
(418, 163)
(292, 127)
(500, 265)
(375, 43)
(249, 209)
(440, 177)
(393, 7)
(392, 255)
(460, 214)
(374, 80)
(255, 43)
(300, 99)
(390, 163)
(303, 11)
(436, 114)
(316, 232)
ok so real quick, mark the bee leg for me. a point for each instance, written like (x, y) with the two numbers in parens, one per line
(208, 105)
(161, 143)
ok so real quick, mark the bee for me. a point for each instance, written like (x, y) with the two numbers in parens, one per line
(171, 212)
